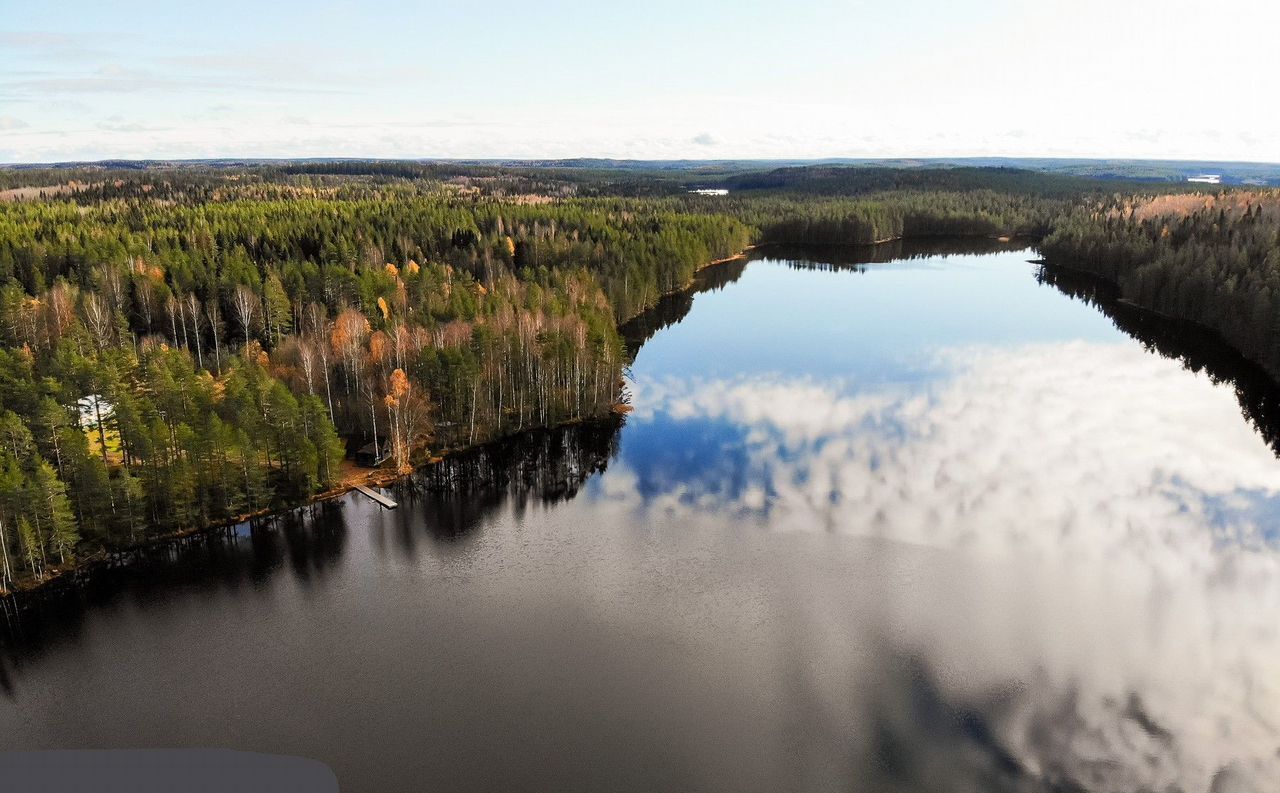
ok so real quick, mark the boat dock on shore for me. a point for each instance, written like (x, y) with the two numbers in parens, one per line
(378, 497)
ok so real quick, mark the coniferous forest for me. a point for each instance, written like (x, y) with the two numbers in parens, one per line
(1212, 259)
(184, 345)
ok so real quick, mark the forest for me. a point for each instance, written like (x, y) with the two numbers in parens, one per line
(184, 345)
(1208, 258)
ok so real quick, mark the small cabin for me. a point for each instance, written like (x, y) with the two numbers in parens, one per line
(371, 455)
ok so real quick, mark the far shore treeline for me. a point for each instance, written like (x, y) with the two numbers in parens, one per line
(182, 345)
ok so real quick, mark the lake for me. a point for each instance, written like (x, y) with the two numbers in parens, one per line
(894, 519)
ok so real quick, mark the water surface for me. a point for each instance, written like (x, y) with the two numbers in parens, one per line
(881, 521)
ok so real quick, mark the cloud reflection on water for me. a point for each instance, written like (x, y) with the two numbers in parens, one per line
(1111, 513)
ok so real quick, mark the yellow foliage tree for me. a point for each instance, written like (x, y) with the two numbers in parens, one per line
(409, 418)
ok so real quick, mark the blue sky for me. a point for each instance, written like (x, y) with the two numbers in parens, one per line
(710, 79)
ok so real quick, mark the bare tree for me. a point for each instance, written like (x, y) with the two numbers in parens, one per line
(97, 317)
(247, 306)
(111, 287)
(59, 311)
(173, 308)
(193, 310)
(6, 573)
(214, 313)
(308, 361)
(146, 299)
(318, 328)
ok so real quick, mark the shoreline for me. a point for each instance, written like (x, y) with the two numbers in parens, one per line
(1002, 238)
(371, 477)
(1190, 324)
(739, 256)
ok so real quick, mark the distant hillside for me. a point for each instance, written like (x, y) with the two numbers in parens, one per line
(1231, 173)
(585, 176)
(845, 180)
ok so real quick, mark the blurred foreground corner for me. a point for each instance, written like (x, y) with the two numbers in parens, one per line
(163, 770)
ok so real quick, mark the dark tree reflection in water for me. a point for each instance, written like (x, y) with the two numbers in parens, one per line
(461, 493)
(1198, 349)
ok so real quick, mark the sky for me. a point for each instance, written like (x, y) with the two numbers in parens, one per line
(663, 79)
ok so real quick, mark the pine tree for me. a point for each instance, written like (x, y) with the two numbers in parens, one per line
(32, 547)
(276, 309)
(59, 520)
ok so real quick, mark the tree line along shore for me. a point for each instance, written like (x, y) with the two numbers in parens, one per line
(180, 346)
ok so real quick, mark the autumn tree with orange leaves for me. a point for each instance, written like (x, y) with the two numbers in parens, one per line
(410, 417)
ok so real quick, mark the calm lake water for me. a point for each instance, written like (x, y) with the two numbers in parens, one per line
(921, 523)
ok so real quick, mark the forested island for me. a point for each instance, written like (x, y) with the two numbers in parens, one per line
(184, 345)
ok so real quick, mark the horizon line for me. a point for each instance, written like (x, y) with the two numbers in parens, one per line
(248, 159)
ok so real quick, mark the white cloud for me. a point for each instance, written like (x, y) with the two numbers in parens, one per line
(1100, 560)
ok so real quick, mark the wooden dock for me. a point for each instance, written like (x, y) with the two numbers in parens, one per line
(378, 497)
